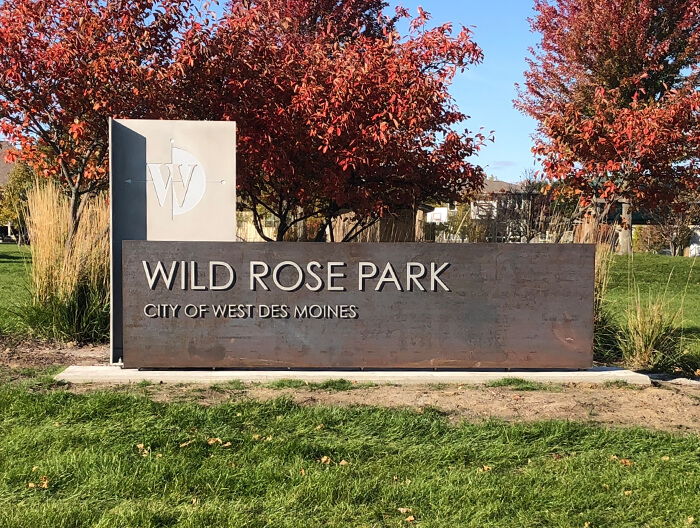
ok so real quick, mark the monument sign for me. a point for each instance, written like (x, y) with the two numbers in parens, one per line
(317, 305)
(169, 181)
(186, 295)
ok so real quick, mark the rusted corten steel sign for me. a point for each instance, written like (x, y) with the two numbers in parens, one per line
(318, 305)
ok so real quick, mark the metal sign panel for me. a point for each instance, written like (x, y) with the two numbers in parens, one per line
(169, 180)
(317, 305)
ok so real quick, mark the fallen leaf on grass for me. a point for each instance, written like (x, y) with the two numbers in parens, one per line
(344, 463)
(56, 424)
(325, 460)
(625, 462)
(628, 493)
(319, 427)
(404, 510)
(256, 437)
(31, 485)
(303, 472)
(613, 457)
(690, 521)
(159, 455)
(185, 444)
(35, 468)
(665, 458)
(485, 468)
(410, 518)
(227, 444)
(44, 482)
(212, 441)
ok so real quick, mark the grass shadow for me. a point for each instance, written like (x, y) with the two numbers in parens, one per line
(519, 384)
(14, 258)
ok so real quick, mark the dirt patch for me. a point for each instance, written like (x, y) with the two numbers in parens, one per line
(30, 354)
(667, 408)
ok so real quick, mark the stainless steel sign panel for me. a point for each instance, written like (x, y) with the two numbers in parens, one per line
(306, 305)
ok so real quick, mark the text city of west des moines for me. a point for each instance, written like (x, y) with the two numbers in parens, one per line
(286, 276)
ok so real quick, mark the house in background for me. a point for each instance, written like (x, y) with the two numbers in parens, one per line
(6, 233)
(485, 205)
(492, 215)
(694, 248)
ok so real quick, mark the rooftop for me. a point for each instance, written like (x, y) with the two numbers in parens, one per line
(498, 186)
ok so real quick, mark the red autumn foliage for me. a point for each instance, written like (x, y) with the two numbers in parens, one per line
(614, 88)
(67, 66)
(336, 111)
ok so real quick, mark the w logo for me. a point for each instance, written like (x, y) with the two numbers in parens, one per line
(183, 180)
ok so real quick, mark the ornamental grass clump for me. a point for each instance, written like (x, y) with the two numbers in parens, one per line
(606, 347)
(69, 279)
(652, 336)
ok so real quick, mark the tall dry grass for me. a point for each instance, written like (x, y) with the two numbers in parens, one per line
(652, 336)
(69, 279)
(606, 347)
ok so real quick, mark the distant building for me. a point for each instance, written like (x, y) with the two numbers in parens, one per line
(484, 206)
(438, 215)
(5, 169)
(694, 248)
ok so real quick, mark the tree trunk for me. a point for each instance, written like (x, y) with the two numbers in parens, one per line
(625, 240)
(589, 226)
(76, 203)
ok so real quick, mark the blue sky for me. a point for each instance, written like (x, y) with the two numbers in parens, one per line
(485, 92)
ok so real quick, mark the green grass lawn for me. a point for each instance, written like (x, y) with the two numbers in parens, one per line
(677, 277)
(116, 460)
(122, 460)
(13, 283)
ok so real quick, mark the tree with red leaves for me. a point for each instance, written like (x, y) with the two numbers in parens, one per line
(67, 66)
(336, 111)
(614, 88)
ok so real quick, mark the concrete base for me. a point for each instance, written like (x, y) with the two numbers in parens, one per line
(113, 374)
